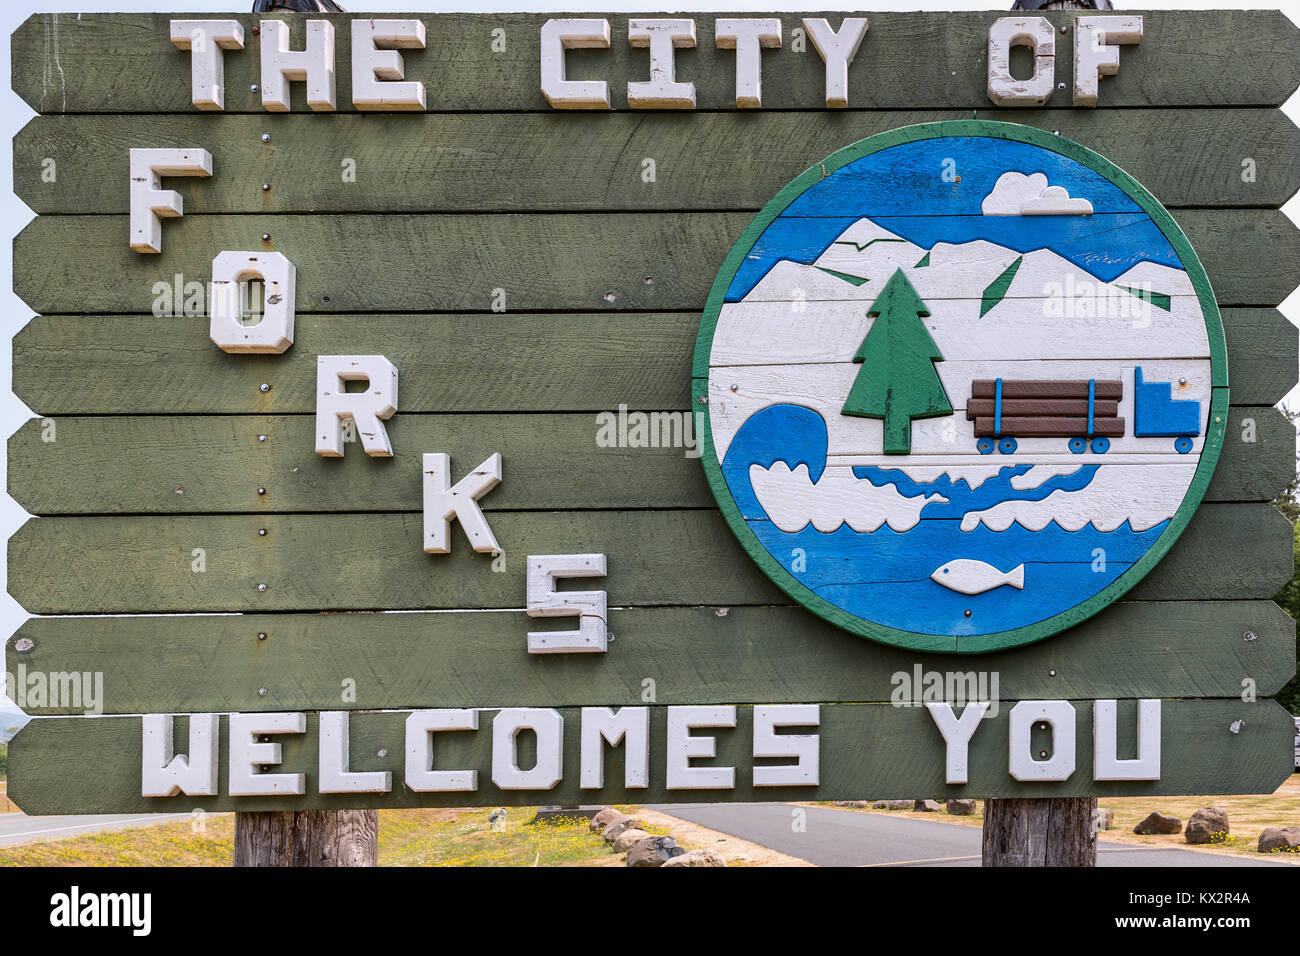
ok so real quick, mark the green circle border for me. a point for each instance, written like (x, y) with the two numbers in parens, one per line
(1029, 633)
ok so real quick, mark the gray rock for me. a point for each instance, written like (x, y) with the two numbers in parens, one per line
(926, 806)
(1104, 818)
(961, 808)
(1158, 822)
(851, 803)
(629, 838)
(1206, 824)
(618, 827)
(1279, 838)
(893, 804)
(698, 858)
(604, 818)
(655, 851)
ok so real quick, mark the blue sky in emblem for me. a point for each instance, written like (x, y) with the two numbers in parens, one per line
(904, 189)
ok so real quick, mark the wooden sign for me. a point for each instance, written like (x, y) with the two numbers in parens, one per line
(509, 409)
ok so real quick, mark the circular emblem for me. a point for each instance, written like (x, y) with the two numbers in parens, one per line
(963, 384)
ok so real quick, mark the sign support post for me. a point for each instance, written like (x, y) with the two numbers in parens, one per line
(307, 838)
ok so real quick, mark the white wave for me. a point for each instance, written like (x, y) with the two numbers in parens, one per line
(792, 500)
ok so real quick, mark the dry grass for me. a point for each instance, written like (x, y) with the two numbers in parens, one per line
(406, 838)
(6, 805)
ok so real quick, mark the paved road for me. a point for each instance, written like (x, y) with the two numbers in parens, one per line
(18, 828)
(848, 838)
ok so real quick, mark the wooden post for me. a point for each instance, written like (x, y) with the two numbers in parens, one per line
(307, 838)
(1058, 831)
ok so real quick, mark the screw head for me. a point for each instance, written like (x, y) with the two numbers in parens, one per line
(1052, 672)
(1065, 29)
(261, 438)
(1249, 636)
(266, 137)
(261, 635)
(966, 612)
(266, 237)
(264, 387)
(1042, 755)
(261, 532)
(253, 88)
(266, 187)
(261, 692)
(1060, 86)
(261, 491)
(261, 587)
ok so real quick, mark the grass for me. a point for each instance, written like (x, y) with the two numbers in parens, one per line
(406, 838)
(6, 805)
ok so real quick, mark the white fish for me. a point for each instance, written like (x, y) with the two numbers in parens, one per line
(976, 577)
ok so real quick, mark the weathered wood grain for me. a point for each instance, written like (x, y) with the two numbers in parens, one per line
(308, 838)
(163, 366)
(125, 63)
(213, 664)
(366, 263)
(375, 561)
(567, 162)
(209, 464)
(872, 750)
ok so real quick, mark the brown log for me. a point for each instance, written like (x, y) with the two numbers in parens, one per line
(1029, 388)
(1060, 831)
(1050, 427)
(307, 838)
(1036, 407)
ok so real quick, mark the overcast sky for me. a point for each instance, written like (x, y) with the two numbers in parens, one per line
(14, 114)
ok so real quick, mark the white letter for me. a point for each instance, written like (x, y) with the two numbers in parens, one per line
(247, 755)
(165, 775)
(806, 771)
(1094, 56)
(548, 725)
(150, 203)
(748, 38)
(662, 91)
(682, 747)
(335, 406)
(957, 734)
(544, 600)
(442, 503)
(630, 726)
(1036, 33)
(273, 333)
(1059, 716)
(420, 727)
(314, 65)
(561, 35)
(837, 52)
(334, 774)
(375, 58)
(205, 39)
(1105, 738)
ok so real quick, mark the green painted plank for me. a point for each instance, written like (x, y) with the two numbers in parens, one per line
(375, 561)
(567, 162)
(73, 765)
(749, 655)
(144, 365)
(209, 464)
(125, 63)
(362, 263)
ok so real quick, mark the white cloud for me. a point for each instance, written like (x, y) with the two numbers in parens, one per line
(1015, 194)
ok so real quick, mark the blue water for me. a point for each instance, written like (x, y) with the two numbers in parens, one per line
(883, 576)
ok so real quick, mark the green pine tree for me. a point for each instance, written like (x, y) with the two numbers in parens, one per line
(898, 381)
